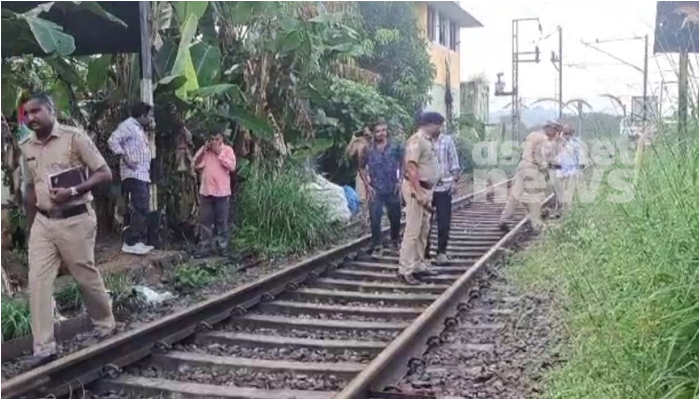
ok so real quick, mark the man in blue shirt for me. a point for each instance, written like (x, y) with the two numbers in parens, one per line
(380, 169)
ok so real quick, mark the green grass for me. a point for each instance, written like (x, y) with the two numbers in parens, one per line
(70, 297)
(625, 277)
(119, 286)
(187, 276)
(16, 319)
(276, 217)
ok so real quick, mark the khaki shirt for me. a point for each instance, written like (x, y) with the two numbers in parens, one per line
(538, 149)
(66, 148)
(420, 149)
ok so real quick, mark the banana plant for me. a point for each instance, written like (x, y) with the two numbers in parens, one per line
(30, 30)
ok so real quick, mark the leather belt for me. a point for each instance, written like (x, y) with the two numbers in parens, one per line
(64, 212)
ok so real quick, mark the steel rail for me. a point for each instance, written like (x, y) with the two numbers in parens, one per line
(72, 372)
(392, 363)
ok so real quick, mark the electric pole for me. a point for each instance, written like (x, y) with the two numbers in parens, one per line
(557, 61)
(644, 70)
(516, 59)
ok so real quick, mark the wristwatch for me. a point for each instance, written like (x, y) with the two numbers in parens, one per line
(73, 191)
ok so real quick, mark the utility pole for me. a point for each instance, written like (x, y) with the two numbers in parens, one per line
(147, 83)
(516, 59)
(662, 88)
(557, 61)
(644, 70)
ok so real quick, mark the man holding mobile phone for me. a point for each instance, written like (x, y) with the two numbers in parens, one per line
(215, 161)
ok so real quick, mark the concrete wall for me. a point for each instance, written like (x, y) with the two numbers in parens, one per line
(475, 99)
(437, 101)
(438, 55)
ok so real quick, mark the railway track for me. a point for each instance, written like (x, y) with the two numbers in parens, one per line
(338, 325)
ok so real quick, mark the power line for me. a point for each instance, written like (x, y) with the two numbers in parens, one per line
(613, 56)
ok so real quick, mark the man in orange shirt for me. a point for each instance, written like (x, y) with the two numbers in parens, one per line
(215, 161)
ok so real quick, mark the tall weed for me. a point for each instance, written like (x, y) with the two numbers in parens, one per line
(276, 217)
(16, 319)
(626, 279)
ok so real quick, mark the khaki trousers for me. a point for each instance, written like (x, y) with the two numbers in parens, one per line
(70, 241)
(415, 236)
(528, 188)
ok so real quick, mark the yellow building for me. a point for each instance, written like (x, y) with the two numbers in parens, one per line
(441, 22)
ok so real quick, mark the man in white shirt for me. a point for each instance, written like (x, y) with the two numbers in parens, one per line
(131, 143)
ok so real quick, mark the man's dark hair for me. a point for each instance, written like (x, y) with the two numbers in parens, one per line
(43, 98)
(377, 123)
(430, 117)
(220, 128)
(140, 109)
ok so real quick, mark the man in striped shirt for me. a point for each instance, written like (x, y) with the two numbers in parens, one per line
(131, 143)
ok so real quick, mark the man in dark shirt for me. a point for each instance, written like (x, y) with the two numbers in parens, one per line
(380, 169)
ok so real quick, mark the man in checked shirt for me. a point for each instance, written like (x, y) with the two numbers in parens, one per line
(131, 143)
(448, 170)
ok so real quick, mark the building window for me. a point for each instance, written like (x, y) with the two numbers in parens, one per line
(454, 36)
(431, 24)
(443, 30)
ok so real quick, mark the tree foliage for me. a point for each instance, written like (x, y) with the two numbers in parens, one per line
(293, 79)
(400, 53)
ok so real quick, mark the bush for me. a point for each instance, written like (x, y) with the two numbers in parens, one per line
(16, 319)
(187, 276)
(276, 217)
(464, 153)
(627, 279)
(70, 297)
(400, 53)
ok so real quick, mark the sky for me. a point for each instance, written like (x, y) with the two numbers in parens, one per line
(587, 72)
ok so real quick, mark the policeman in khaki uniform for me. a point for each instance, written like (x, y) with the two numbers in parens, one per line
(530, 183)
(62, 222)
(421, 176)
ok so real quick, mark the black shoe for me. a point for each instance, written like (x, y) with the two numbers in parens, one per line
(504, 226)
(199, 254)
(409, 279)
(38, 361)
(395, 247)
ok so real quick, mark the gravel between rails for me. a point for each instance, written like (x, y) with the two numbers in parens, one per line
(278, 353)
(336, 317)
(242, 377)
(144, 315)
(367, 335)
(345, 302)
(505, 363)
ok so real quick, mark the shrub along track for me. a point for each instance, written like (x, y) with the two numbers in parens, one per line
(338, 324)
